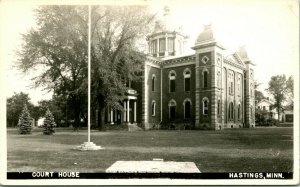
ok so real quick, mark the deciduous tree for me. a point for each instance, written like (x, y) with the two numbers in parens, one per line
(14, 107)
(279, 87)
(58, 45)
(56, 50)
(117, 56)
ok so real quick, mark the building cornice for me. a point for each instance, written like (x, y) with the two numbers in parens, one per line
(179, 60)
(226, 61)
(207, 44)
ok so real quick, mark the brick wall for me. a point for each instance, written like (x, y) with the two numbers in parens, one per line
(179, 95)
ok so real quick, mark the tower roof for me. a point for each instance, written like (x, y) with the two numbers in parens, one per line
(206, 35)
(165, 24)
(242, 52)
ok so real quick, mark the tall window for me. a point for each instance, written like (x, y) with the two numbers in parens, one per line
(172, 110)
(180, 46)
(153, 106)
(205, 78)
(187, 109)
(162, 46)
(187, 80)
(128, 83)
(231, 82)
(251, 112)
(239, 85)
(230, 111)
(219, 107)
(153, 82)
(172, 78)
(239, 111)
(218, 79)
(205, 102)
(154, 47)
(170, 45)
(224, 82)
(251, 90)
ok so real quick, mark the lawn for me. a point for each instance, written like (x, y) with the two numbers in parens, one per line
(232, 150)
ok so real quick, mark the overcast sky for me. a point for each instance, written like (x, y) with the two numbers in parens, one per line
(268, 29)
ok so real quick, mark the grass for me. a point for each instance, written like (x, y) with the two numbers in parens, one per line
(232, 150)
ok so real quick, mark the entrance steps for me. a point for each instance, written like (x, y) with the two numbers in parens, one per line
(134, 127)
(123, 127)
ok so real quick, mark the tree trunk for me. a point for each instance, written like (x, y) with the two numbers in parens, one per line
(76, 110)
(101, 118)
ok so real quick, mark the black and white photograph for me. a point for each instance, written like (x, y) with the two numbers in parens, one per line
(149, 92)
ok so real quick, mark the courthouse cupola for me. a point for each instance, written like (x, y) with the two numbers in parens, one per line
(206, 35)
(166, 39)
(242, 52)
(206, 38)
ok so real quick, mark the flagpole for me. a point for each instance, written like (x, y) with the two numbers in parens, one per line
(89, 77)
(87, 146)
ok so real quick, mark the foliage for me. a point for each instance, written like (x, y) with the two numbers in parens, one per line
(59, 108)
(58, 46)
(25, 121)
(116, 58)
(272, 122)
(14, 107)
(279, 87)
(49, 123)
(258, 94)
(259, 117)
(290, 89)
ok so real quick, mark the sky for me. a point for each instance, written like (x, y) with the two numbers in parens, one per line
(268, 29)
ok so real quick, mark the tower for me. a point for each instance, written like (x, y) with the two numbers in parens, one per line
(166, 40)
(208, 95)
(249, 88)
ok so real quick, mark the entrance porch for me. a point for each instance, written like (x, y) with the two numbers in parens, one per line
(128, 115)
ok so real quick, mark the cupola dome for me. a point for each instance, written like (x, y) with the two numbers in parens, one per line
(205, 36)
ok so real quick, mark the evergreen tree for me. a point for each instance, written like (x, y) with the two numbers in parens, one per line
(25, 121)
(49, 123)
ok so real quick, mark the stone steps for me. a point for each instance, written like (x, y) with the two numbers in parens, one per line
(134, 127)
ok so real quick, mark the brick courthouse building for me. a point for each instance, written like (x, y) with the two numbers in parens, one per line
(205, 90)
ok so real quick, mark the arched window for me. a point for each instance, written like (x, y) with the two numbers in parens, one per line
(172, 78)
(205, 78)
(205, 102)
(187, 108)
(187, 80)
(172, 110)
(153, 106)
(153, 82)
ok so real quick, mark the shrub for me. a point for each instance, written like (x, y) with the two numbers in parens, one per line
(25, 121)
(49, 123)
(272, 122)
